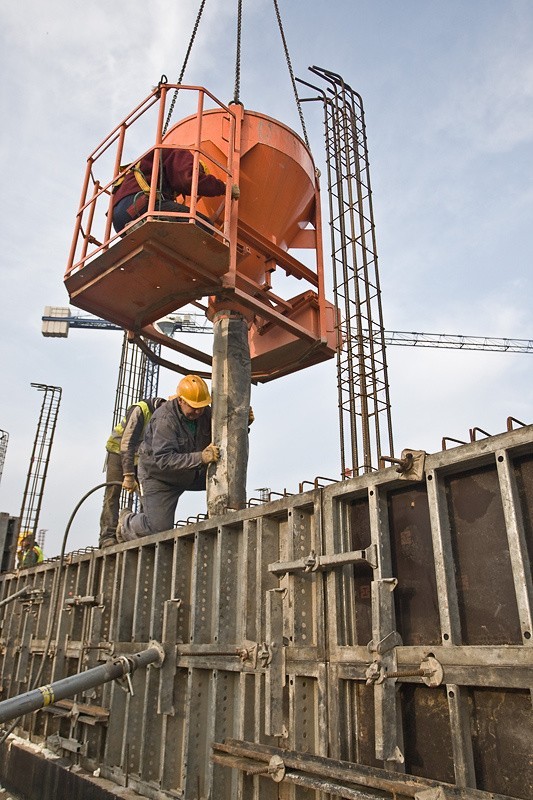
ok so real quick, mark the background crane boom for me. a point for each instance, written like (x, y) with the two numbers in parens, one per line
(56, 324)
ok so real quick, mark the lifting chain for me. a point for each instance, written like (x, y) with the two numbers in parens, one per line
(237, 88)
(182, 73)
(291, 73)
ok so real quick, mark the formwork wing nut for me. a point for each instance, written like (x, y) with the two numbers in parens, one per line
(264, 654)
(311, 562)
(432, 671)
(373, 673)
(276, 769)
(411, 465)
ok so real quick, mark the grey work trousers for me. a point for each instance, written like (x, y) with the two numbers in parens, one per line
(159, 502)
(109, 515)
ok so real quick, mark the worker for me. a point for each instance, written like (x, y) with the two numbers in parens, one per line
(173, 458)
(30, 553)
(175, 178)
(121, 463)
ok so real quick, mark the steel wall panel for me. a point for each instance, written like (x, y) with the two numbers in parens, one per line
(382, 622)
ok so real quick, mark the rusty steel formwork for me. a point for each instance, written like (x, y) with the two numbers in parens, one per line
(371, 638)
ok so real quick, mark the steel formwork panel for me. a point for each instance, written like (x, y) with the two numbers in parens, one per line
(376, 632)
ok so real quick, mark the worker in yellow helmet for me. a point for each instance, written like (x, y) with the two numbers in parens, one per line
(30, 553)
(173, 458)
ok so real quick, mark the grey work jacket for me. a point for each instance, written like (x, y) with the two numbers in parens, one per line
(171, 452)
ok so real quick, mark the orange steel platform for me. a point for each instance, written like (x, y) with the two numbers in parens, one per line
(244, 261)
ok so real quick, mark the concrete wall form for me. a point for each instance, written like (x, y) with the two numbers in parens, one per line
(382, 622)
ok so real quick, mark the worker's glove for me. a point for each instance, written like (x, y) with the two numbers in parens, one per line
(251, 416)
(129, 483)
(211, 453)
(235, 192)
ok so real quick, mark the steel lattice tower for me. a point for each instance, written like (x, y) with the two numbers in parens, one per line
(4, 439)
(40, 457)
(362, 380)
(138, 378)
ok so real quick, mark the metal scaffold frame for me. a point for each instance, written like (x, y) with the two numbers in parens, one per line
(363, 387)
(4, 439)
(138, 378)
(40, 457)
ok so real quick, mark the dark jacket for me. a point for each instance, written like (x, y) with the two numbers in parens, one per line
(177, 177)
(171, 450)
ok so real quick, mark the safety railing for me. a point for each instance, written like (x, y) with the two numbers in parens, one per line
(109, 161)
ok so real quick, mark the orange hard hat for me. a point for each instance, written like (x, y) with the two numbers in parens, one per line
(194, 391)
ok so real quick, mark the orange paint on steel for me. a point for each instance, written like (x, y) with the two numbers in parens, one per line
(156, 268)
(276, 177)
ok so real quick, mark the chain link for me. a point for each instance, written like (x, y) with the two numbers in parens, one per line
(291, 73)
(182, 73)
(237, 90)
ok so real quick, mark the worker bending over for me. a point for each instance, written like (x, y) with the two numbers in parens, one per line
(175, 178)
(173, 458)
(121, 463)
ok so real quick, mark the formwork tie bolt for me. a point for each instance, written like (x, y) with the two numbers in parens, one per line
(405, 673)
(275, 768)
(430, 671)
(404, 464)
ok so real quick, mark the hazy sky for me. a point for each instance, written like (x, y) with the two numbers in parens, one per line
(448, 93)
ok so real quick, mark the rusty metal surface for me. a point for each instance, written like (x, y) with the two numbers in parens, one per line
(487, 601)
(380, 622)
(156, 269)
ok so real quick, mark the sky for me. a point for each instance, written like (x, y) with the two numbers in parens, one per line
(447, 88)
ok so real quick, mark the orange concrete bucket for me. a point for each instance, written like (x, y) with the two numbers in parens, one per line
(276, 175)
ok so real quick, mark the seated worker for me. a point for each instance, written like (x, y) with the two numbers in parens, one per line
(121, 463)
(173, 458)
(130, 195)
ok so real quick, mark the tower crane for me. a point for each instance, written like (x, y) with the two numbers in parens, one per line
(57, 324)
(57, 321)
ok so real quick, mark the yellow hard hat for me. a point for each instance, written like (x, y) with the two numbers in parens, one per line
(194, 391)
